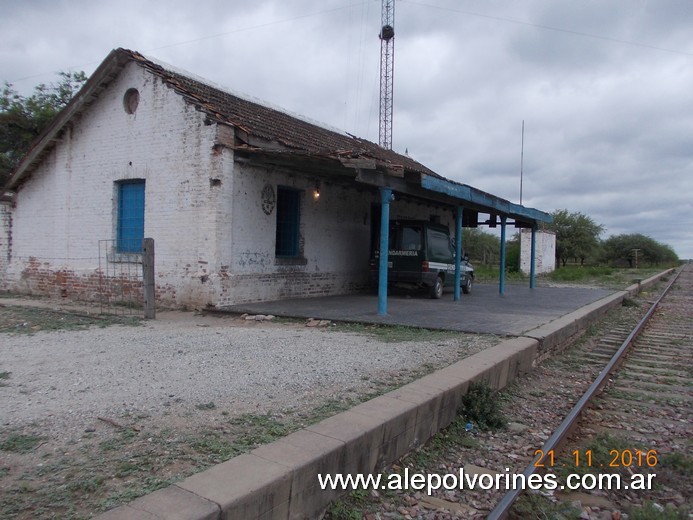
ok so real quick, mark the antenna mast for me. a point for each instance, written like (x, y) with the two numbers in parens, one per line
(387, 72)
(522, 158)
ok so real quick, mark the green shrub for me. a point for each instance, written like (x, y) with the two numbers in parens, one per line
(481, 406)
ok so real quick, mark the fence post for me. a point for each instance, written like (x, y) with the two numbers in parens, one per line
(148, 278)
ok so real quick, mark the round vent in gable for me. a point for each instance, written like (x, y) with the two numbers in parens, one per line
(130, 100)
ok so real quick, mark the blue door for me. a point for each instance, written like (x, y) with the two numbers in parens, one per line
(130, 216)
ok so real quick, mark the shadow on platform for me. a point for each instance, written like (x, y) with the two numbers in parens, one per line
(483, 311)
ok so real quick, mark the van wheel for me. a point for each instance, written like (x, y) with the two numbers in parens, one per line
(467, 287)
(437, 289)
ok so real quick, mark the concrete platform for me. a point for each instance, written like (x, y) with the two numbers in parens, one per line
(279, 480)
(483, 311)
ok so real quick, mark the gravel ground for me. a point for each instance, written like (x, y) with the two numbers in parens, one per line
(64, 380)
(93, 418)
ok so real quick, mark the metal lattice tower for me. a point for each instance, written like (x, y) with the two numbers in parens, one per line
(387, 72)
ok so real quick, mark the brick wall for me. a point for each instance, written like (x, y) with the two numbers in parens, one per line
(335, 234)
(42, 277)
(545, 251)
(69, 203)
(214, 243)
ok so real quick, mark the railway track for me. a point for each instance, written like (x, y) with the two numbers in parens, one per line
(640, 423)
(631, 431)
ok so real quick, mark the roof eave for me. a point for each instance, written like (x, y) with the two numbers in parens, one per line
(115, 61)
(481, 199)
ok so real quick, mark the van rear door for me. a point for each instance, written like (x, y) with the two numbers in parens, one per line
(406, 255)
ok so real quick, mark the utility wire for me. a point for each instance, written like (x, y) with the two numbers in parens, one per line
(260, 26)
(217, 35)
(547, 27)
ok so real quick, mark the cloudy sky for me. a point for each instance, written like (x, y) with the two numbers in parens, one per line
(603, 86)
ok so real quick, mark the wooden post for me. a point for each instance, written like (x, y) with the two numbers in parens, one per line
(148, 278)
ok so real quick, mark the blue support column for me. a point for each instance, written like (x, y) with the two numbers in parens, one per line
(458, 253)
(385, 197)
(533, 260)
(501, 285)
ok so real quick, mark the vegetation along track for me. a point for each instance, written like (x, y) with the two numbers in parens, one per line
(640, 423)
(645, 406)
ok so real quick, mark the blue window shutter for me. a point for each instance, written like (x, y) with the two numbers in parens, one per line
(130, 216)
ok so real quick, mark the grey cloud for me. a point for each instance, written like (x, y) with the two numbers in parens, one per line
(608, 124)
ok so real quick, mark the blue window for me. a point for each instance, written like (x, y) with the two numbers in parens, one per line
(130, 216)
(288, 221)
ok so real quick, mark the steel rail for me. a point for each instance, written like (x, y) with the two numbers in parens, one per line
(503, 507)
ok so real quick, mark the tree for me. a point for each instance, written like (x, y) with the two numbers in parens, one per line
(624, 248)
(22, 119)
(512, 254)
(577, 236)
(481, 246)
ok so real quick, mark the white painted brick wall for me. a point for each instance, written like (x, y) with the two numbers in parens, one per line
(68, 204)
(214, 244)
(335, 231)
(545, 251)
